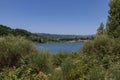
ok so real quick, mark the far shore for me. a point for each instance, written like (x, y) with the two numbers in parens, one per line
(69, 41)
(77, 41)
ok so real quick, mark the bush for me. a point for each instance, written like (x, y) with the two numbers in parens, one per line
(101, 46)
(59, 58)
(101, 57)
(113, 72)
(96, 73)
(67, 68)
(41, 62)
(21, 73)
(13, 50)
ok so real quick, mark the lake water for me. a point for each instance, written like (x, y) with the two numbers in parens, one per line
(60, 47)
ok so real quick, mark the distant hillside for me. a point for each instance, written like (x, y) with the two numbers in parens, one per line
(41, 37)
(58, 36)
(5, 31)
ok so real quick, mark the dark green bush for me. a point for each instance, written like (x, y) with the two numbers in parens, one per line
(101, 46)
(101, 56)
(13, 50)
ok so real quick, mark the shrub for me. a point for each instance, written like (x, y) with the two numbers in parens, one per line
(21, 73)
(13, 50)
(41, 62)
(101, 56)
(67, 67)
(113, 72)
(59, 58)
(96, 73)
(100, 46)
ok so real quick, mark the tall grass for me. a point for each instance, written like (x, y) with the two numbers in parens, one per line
(41, 61)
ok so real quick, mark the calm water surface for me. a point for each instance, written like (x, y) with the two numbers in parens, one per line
(60, 47)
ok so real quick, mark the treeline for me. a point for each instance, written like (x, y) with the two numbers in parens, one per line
(5, 31)
(60, 36)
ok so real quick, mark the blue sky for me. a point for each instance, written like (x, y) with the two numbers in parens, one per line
(54, 16)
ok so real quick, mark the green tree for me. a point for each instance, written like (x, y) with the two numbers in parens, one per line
(113, 23)
(4, 30)
(100, 30)
(21, 32)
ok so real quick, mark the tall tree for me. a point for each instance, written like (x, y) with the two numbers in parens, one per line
(100, 30)
(113, 24)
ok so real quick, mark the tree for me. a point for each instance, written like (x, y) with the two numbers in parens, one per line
(100, 30)
(113, 24)
(4, 30)
(21, 32)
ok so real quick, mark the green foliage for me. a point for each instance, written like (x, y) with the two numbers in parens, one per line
(14, 49)
(98, 60)
(20, 60)
(4, 30)
(41, 62)
(101, 45)
(96, 73)
(114, 72)
(59, 58)
(21, 73)
(100, 56)
(56, 75)
(100, 30)
(114, 19)
(67, 67)
(21, 32)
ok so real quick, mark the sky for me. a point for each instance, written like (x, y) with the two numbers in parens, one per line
(78, 17)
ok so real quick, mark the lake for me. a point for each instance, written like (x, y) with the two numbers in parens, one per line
(60, 47)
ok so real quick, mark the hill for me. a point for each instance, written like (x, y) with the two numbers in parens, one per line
(5, 31)
(41, 37)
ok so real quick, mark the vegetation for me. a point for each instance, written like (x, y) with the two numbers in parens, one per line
(61, 37)
(14, 49)
(100, 30)
(19, 59)
(113, 25)
(5, 31)
(41, 37)
(98, 59)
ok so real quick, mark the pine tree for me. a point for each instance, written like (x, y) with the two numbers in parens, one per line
(113, 24)
(100, 30)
